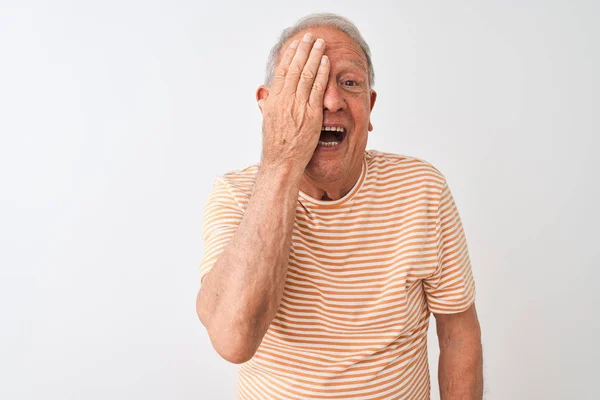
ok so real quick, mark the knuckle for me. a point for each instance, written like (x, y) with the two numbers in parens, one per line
(294, 69)
(318, 87)
(303, 49)
(280, 71)
(308, 74)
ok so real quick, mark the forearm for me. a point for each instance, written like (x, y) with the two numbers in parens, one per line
(460, 370)
(241, 294)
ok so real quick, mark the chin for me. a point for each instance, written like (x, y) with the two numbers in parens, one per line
(325, 170)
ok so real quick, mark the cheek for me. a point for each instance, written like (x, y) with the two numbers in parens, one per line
(360, 111)
(359, 138)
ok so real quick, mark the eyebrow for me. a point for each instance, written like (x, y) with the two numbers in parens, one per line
(358, 62)
(354, 61)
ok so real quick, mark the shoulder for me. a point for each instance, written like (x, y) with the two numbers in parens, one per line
(236, 184)
(385, 164)
(239, 180)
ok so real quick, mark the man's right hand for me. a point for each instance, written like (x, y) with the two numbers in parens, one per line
(293, 110)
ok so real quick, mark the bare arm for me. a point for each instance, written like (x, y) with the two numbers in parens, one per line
(241, 294)
(460, 371)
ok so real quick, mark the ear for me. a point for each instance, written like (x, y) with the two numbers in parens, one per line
(372, 99)
(261, 94)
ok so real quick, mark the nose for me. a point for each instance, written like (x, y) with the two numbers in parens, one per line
(333, 99)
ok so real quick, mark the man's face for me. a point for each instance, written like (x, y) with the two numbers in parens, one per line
(348, 102)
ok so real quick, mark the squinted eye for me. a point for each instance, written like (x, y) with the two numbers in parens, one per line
(350, 83)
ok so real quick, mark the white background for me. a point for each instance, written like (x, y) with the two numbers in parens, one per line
(115, 117)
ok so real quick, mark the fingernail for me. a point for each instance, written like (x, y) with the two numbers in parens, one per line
(295, 44)
(307, 37)
(323, 60)
(319, 43)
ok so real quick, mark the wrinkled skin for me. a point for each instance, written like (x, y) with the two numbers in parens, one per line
(306, 95)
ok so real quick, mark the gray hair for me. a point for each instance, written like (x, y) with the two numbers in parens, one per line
(312, 21)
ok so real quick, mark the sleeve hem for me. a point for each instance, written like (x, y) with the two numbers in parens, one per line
(454, 310)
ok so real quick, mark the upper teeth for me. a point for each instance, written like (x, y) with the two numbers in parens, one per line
(333, 128)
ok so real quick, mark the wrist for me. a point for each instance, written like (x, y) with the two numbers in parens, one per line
(283, 172)
(277, 185)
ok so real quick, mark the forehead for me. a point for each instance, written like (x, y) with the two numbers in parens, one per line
(338, 45)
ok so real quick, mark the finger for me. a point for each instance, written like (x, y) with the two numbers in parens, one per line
(282, 68)
(297, 64)
(309, 73)
(318, 89)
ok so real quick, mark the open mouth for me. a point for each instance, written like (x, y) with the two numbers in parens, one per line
(331, 136)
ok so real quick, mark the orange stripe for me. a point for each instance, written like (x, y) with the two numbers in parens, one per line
(364, 274)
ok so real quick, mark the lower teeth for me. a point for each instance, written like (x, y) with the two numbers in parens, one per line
(328, 144)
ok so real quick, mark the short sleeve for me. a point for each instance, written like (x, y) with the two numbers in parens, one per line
(451, 288)
(222, 216)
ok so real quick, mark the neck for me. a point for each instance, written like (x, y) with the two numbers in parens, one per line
(333, 190)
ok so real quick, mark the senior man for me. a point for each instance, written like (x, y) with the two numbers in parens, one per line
(324, 261)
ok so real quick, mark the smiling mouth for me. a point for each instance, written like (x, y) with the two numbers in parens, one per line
(332, 136)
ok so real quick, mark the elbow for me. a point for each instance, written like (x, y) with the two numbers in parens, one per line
(232, 344)
(200, 310)
(235, 347)
(234, 355)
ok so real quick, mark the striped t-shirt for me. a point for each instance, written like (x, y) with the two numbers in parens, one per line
(364, 273)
